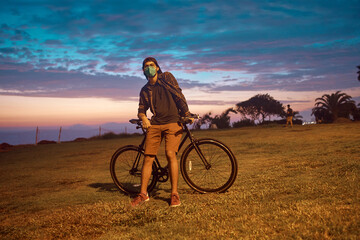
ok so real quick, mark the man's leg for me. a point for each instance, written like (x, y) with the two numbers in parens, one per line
(152, 143)
(173, 170)
(173, 135)
(146, 173)
(143, 196)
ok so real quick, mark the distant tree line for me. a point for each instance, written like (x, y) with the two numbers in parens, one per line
(262, 107)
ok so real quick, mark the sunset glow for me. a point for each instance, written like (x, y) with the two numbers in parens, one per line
(36, 111)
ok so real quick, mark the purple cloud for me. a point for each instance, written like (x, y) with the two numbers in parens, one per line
(60, 83)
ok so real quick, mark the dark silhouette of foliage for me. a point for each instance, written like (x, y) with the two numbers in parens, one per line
(321, 115)
(243, 123)
(260, 107)
(330, 107)
(297, 116)
(221, 121)
(356, 113)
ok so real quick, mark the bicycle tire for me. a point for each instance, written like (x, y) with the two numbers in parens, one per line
(126, 177)
(223, 170)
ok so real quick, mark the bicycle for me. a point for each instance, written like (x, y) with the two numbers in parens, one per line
(206, 164)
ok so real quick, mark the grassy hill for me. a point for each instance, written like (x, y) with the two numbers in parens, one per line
(292, 183)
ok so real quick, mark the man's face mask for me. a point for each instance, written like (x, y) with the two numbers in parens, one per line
(150, 71)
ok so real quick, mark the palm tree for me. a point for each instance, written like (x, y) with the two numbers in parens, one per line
(297, 116)
(336, 105)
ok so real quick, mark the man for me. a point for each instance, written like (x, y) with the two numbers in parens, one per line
(289, 116)
(163, 96)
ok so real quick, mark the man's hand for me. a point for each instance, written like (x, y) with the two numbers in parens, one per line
(189, 118)
(192, 117)
(146, 123)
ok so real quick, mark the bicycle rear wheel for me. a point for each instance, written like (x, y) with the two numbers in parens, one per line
(125, 169)
(218, 176)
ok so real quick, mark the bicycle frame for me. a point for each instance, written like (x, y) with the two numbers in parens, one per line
(214, 155)
(187, 136)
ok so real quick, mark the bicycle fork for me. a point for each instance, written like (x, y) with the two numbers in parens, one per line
(194, 142)
(207, 165)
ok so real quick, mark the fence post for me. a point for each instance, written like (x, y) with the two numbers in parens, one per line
(59, 135)
(37, 133)
(99, 131)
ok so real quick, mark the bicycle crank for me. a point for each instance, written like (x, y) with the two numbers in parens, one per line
(162, 174)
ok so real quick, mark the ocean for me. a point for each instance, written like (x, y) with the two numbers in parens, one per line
(18, 136)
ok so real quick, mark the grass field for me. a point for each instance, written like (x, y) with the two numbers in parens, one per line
(299, 183)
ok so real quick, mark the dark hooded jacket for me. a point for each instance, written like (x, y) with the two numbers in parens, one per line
(168, 81)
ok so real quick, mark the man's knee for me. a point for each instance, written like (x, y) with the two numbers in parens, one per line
(149, 158)
(170, 154)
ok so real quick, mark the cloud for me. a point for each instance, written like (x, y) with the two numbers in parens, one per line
(13, 34)
(69, 84)
(210, 102)
(292, 46)
(53, 42)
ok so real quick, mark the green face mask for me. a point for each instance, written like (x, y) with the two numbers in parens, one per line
(150, 71)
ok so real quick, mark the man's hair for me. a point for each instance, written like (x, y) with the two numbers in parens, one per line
(151, 59)
(288, 105)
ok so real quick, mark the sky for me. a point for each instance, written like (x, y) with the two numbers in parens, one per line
(79, 62)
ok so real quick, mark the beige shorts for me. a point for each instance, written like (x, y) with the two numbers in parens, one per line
(172, 132)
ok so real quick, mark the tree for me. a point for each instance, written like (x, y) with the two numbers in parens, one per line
(259, 107)
(221, 121)
(330, 107)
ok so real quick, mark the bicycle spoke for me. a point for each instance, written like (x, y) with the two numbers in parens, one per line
(218, 177)
(125, 168)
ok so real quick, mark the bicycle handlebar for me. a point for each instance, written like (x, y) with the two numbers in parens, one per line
(189, 119)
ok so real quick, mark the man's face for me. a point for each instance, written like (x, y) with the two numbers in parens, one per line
(147, 64)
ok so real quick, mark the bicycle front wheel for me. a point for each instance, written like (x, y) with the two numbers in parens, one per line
(216, 174)
(125, 169)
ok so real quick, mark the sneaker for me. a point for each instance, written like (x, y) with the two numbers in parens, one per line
(139, 199)
(175, 200)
